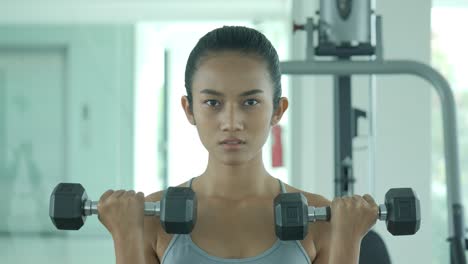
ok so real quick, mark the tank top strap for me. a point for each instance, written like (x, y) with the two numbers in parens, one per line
(283, 188)
(190, 182)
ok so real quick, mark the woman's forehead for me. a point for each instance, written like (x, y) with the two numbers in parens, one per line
(232, 72)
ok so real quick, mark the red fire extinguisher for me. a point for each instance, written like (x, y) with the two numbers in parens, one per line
(277, 147)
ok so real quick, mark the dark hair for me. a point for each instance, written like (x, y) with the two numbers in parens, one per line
(235, 38)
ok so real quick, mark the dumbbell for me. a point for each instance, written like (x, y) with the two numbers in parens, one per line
(69, 207)
(401, 212)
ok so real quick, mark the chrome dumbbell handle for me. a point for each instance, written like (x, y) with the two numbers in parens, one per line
(151, 208)
(319, 213)
(323, 213)
(383, 213)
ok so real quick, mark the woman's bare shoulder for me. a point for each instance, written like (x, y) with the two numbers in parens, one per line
(313, 199)
(154, 234)
(157, 196)
(319, 232)
(153, 222)
(152, 228)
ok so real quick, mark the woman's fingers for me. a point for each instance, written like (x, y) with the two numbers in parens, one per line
(370, 200)
(106, 194)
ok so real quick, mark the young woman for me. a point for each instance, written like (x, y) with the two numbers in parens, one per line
(233, 84)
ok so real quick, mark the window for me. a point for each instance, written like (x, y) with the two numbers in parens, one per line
(449, 55)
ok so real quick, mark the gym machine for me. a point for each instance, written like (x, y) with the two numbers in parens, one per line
(344, 30)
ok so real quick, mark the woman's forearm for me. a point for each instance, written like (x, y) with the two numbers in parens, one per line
(344, 250)
(129, 249)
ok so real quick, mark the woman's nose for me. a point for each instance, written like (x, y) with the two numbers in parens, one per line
(231, 119)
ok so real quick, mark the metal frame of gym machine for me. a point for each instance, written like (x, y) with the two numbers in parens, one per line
(349, 23)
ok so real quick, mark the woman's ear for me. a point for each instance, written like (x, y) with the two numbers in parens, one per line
(187, 109)
(278, 113)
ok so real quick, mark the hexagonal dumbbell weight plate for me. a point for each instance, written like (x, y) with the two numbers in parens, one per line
(291, 216)
(178, 210)
(65, 210)
(404, 217)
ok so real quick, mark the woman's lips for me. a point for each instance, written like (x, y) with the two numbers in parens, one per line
(232, 143)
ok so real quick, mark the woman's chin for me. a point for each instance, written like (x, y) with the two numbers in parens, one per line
(232, 160)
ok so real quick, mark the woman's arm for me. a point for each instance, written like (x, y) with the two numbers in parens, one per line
(122, 213)
(340, 240)
(139, 248)
(344, 250)
(338, 250)
(130, 249)
(152, 226)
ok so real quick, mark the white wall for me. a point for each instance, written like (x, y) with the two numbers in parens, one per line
(403, 123)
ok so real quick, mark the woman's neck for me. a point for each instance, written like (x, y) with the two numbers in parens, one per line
(235, 182)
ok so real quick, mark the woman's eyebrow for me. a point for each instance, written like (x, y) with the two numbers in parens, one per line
(214, 92)
(254, 91)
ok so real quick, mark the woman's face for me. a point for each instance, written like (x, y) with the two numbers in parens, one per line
(233, 106)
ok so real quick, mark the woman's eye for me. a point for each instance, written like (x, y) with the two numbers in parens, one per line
(212, 102)
(251, 102)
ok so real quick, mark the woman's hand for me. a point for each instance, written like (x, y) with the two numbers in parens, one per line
(122, 213)
(352, 217)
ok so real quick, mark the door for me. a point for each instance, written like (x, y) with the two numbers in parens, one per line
(32, 117)
(66, 115)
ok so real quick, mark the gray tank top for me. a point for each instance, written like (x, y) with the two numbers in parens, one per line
(182, 249)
